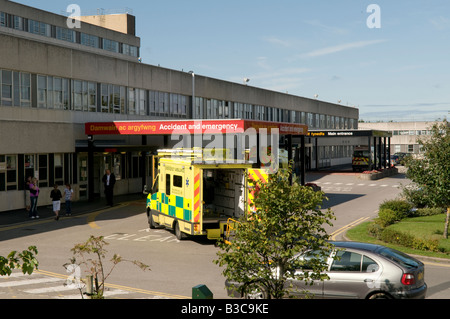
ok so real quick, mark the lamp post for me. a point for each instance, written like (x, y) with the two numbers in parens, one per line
(194, 109)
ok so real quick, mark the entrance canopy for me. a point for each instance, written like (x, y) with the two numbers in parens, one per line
(349, 133)
(168, 127)
(376, 140)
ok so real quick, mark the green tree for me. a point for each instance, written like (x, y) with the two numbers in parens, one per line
(431, 174)
(288, 220)
(25, 260)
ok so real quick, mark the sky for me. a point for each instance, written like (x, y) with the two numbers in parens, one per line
(391, 60)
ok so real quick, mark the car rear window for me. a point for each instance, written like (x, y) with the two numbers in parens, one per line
(399, 258)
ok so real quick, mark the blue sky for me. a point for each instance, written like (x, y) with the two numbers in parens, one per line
(400, 71)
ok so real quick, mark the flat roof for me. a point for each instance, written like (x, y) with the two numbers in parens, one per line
(189, 127)
(349, 133)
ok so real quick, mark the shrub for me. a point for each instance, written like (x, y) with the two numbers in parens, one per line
(375, 229)
(401, 208)
(404, 239)
(428, 211)
(388, 217)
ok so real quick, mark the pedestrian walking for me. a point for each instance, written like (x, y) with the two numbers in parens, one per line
(56, 196)
(108, 181)
(68, 193)
(34, 195)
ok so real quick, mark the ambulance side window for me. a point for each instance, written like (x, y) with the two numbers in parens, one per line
(167, 184)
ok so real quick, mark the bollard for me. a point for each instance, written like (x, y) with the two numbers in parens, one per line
(201, 292)
(89, 285)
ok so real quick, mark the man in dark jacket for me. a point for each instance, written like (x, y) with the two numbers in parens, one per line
(108, 181)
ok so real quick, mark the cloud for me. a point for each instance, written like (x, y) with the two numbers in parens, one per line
(277, 41)
(339, 48)
(440, 23)
(332, 29)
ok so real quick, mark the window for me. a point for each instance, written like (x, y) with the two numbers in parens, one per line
(346, 261)
(42, 91)
(30, 164)
(39, 28)
(11, 172)
(167, 184)
(89, 40)
(2, 173)
(177, 181)
(2, 19)
(131, 101)
(6, 92)
(410, 148)
(110, 45)
(58, 93)
(59, 168)
(104, 98)
(92, 97)
(369, 265)
(65, 34)
(25, 89)
(77, 95)
(130, 50)
(43, 170)
(141, 102)
(18, 23)
(115, 91)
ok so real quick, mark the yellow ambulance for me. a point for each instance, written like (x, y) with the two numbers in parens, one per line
(195, 197)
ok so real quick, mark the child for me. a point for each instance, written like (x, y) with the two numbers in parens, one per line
(56, 198)
(68, 192)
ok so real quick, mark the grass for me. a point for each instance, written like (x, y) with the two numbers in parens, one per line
(423, 227)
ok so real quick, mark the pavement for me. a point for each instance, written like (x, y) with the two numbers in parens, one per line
(14, 217)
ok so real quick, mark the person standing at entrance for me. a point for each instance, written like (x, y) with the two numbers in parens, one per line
(108, 181)
(56, 199)
(34, 194)
(68, 193)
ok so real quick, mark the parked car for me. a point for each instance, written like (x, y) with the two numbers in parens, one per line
(357, 270)
(395, 159)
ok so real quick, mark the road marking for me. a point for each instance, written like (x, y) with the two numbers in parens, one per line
(105, 294)
(125, 289)
(345, 228)
(49, 289)
(92, 216)
(28, 282)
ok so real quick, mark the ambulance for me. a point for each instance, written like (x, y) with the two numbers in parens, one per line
(197, 197)
(362, 159)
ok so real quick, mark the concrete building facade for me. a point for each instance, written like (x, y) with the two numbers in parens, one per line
(405, 135)
(54, 79)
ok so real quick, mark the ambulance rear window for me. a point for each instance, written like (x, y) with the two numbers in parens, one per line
(177, 181)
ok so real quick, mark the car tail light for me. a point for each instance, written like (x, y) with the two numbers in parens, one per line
(408, 279)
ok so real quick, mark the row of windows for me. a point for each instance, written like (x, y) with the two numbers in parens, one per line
(65, 34)
(412, 132)
(18, 89)
(47, 168)
(60, 169)
(217, 109)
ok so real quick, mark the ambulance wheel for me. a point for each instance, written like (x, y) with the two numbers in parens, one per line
(178, 233)
(151, 222)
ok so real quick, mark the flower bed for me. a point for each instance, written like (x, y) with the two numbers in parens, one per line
(378, 174)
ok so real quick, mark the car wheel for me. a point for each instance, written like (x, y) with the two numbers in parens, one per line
(380, 295)
(256, 291)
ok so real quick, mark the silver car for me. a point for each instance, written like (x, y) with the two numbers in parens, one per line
(359, 270)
